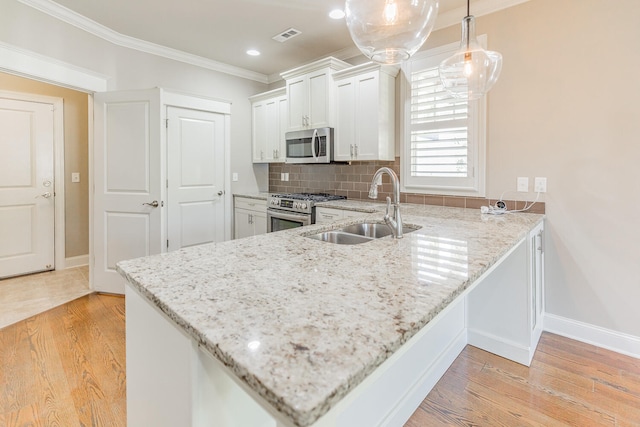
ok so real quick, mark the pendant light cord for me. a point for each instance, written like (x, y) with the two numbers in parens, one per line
(468, 14)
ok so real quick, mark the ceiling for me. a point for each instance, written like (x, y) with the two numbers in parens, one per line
(221, 31)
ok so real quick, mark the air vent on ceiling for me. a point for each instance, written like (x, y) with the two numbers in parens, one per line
(286, 35)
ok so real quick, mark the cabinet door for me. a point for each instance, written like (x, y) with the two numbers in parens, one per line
(259, 132)
(243, 226)
(345, 120)
(319, 86)
(259, 220)
(272, 129)
(280, 144)
(297, 91)
(366, 118)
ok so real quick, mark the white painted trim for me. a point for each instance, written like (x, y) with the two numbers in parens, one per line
(595, 335)
(77, 261)
(91, 186)
(21, 62)
(500, 346)
(58, 166)
(79, 21)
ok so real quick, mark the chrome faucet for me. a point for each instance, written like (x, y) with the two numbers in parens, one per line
(395, 223)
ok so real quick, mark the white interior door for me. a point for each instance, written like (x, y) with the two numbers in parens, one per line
(195, 177)
(127, 202)
(27, 221)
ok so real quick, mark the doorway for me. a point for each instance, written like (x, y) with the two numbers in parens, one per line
(31, 185)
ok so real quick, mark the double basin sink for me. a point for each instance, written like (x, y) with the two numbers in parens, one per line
(358, 233)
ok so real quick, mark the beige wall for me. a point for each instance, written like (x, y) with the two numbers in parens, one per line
(566, 108)
(76, 199)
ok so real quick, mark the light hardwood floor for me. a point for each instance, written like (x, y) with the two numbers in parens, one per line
(66, 367)
(24, 296)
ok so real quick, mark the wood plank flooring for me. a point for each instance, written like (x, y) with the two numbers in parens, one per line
(66, 367)
(569, 383)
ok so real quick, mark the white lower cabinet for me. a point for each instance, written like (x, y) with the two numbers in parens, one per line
(250, 217)
(504, 313)
(327, 215)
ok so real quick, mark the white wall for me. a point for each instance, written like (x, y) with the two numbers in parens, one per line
(566, 108)
(27, 28)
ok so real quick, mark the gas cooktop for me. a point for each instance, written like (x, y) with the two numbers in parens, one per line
(315, 197)
(299, 202)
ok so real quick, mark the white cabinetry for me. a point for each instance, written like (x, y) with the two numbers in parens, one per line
(327, 215)
(310, 94)
(504, 313)
(268, 126)
(365, 113)
(250, 217)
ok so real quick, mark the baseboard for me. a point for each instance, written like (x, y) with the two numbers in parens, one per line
(500, 346)
(595, 335)
(76, 261)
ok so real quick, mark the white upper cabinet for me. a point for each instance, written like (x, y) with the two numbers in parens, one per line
(310, 94)
(269, 122)
(365, 112)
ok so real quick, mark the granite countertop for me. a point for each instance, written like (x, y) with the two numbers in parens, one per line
(302, 321)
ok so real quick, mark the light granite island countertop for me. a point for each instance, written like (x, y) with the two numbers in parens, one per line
(302, 322)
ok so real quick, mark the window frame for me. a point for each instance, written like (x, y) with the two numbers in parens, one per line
(474, 186)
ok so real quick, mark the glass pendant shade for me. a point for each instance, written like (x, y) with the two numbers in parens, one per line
(390, 31)
(471, 71)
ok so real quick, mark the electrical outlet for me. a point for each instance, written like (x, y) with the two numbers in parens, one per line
(75, 177)
(523, 184)
(286, 176)
(540, 185)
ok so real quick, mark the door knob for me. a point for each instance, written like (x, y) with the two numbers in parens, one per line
(45, 195)
(153, 204)
(220, 193)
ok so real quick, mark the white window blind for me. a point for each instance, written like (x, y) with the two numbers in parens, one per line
(443, 136)
(439, 137)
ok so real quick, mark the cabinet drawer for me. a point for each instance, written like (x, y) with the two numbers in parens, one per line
(324, 215)
(250, 204)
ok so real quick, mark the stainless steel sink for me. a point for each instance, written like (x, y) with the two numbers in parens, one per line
(358, 233)
(373, 229)
(340, 238)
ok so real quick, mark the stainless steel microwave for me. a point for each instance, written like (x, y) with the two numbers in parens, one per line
(310, 146)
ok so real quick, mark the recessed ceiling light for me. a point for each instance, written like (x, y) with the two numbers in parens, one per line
(253, 52)
(336, 14)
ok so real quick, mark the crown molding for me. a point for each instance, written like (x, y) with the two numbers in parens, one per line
(72, 18)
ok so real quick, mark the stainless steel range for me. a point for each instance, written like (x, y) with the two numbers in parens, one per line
(286, 211)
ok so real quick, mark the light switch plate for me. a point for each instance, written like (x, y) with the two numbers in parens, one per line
(234, 176)
(75, 177)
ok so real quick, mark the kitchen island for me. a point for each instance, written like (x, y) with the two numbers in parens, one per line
(318, 333)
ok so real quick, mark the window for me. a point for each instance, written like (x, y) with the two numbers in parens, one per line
(443, 137)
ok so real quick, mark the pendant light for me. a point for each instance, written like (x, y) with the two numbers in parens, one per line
(471, 71)
(390, 31)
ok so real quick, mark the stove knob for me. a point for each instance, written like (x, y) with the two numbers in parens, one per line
(303, 205)
(296, 205)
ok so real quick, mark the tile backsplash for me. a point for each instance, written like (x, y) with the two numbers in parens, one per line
(353, 180)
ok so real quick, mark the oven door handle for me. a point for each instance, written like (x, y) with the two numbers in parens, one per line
(286, 215)
(313, 143)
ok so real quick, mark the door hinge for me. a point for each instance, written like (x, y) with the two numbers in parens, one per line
(166, 123)
(167, 184)
(167, 243)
